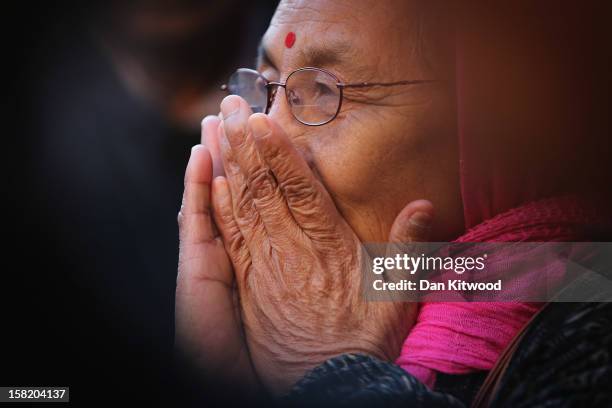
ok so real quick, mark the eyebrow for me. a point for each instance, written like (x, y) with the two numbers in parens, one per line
(333, 54)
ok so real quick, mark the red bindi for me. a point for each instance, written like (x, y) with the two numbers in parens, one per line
(290, 39)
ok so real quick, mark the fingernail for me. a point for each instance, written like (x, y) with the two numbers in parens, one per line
(208, 119)
(420, 219)
(229, 106)
(259, 126)
(196, 147)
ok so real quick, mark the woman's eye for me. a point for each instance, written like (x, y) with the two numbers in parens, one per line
(323, 89)
(294, 98)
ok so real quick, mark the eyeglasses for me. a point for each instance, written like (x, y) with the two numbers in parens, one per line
(313, 94)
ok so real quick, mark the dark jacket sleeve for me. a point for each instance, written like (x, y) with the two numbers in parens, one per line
(565, 360)
(355, 380)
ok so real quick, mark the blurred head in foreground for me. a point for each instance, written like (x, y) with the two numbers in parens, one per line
(174, 54)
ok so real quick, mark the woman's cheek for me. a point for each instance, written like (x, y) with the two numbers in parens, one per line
(354, 161)
(342, 172)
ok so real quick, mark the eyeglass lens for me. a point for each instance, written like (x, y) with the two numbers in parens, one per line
(251, 86)
(312, 94)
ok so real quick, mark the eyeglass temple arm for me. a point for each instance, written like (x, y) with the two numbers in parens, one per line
(224, 87)
(367, 84)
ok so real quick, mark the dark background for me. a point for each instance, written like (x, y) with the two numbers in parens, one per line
(93, 184)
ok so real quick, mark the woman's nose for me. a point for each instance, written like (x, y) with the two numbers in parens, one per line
(279, 110)
(298, 133)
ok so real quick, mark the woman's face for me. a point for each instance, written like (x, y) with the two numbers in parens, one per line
(388, 145)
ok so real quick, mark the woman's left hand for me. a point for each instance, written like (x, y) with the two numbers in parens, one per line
(297, 262)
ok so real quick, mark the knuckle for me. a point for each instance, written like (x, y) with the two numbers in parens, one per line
(226, 216)
(298, 188)
(236, 243)
(244, 205)
(257, 176)
(261, 183)
(227, 154)
(271, 149)
(236, 133)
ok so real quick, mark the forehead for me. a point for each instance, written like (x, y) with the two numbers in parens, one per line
(353, 31)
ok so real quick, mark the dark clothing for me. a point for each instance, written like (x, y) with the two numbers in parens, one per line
(563, 360)
(354, 380)
(463, 387)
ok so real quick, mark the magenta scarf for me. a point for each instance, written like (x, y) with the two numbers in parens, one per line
(458, 338)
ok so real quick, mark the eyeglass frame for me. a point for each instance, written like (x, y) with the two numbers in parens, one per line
(341, 85)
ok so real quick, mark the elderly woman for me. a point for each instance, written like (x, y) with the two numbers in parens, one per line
(360, 120)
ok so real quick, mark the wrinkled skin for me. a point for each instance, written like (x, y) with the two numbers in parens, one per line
(295, 202)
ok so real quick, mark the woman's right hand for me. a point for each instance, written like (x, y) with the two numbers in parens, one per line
(208, 327)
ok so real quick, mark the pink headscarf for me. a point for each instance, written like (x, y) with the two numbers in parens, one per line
(522, 138)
